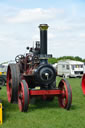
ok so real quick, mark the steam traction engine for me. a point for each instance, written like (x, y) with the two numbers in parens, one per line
(33, 70)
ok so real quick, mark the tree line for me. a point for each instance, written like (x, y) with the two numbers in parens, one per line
(55, 60)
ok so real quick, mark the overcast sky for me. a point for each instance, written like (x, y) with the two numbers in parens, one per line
(19, 21)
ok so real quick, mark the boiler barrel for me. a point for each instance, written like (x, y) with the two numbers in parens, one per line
(43, 39)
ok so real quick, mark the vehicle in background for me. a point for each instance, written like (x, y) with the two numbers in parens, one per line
(70, 68)
(55, 66)
(3, 71)
(84, 67)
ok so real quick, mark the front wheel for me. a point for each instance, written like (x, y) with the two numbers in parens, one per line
(65, 99)
(23, 96)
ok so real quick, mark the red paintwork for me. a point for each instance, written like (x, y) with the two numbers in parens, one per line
(61, 92)
(83, 84)
(45, 92)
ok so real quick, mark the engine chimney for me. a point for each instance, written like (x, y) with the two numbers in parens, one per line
(43, 39)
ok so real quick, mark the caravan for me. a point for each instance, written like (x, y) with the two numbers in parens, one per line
(70, 68)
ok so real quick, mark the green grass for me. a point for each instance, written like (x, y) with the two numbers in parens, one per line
(44, 114)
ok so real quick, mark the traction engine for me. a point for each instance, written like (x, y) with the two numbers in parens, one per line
(33, 76)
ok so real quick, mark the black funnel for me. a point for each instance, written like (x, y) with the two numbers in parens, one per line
(43, 39)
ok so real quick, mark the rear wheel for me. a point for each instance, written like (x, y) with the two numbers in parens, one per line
(83, 84)
(13, 78)
(23, 96)
(65, 99)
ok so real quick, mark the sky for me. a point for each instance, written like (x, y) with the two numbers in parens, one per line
(19, 21)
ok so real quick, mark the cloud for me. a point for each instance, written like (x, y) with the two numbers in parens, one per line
(31, 15)
(82, 35)
(19, 28)
(63, 27)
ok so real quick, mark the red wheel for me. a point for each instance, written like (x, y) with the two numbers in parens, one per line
(12, 82)
(65, 99)
(23, 96)
(83, 84)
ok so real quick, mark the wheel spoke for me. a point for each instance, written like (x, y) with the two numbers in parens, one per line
(63, 95)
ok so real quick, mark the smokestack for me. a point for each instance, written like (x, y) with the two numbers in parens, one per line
(43, 39)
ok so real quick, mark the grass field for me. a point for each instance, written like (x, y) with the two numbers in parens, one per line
(46, 114)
